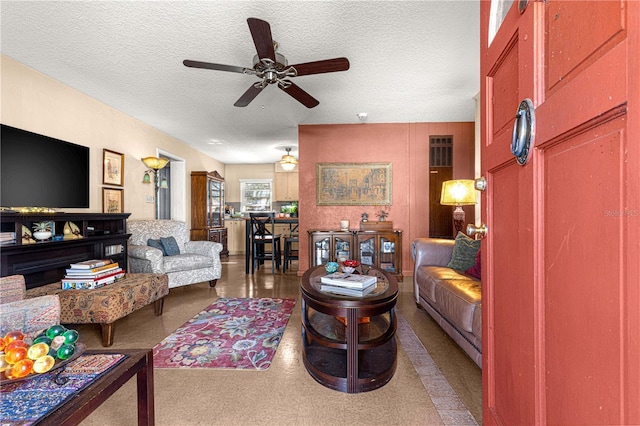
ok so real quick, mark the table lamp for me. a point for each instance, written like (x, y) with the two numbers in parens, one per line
(460, 192)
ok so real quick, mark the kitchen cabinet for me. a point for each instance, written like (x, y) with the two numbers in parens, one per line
(236, 236)
(207, 209)
(286, 186)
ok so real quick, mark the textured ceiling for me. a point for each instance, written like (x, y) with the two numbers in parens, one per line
(411, 61)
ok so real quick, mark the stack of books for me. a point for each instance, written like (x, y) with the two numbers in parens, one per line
(92, 274)
(348, 284)
(7, 238)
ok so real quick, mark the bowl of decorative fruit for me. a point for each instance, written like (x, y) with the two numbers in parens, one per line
(55, 347)
(349, 266)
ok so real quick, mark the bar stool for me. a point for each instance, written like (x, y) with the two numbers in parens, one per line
(290, 252)
(265, 245)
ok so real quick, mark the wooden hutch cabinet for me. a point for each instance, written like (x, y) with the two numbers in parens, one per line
(330, 246)
(207, 209)
(382, 249)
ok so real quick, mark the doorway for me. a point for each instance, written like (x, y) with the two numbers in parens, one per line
(440, 170)
(172, 201)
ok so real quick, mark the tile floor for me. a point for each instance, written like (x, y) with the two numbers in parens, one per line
(435, 382)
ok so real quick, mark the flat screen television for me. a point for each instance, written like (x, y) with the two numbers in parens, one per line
(43, 172)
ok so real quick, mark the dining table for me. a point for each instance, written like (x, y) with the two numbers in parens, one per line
(293, 227)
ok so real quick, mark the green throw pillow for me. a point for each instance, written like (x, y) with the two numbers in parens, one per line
(156, 244)
(464, 253)
(170, 246)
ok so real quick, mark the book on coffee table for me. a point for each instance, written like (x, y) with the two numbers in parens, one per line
(342, 279)
(347, 291)
(91, 264)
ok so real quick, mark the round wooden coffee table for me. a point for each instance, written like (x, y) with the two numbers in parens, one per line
(349, 342)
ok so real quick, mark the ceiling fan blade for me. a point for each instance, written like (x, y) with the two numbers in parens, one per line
(298, 94)
(319, 67)
(261, 33)
(248, 96)
(210, 66)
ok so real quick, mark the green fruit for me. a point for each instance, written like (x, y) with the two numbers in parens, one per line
(66, 351)
(55, 330)
(43, 339)
(70, 336)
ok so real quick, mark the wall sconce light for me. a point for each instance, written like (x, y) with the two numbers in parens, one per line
(458, 193)
(155, 164)
(288, 161)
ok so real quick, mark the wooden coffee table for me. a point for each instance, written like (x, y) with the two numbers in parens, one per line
(360, 355)
(139, 362)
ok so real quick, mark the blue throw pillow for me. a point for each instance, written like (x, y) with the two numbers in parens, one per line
(156, 244)
(170, 246)
(464, 253)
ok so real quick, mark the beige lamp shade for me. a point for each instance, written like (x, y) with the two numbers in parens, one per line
(459, 192)
(155, 163)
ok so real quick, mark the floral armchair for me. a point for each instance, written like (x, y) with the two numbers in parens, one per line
(30, 316)
(188, 262)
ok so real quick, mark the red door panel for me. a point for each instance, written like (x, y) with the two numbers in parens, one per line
(561, 282)
(582, 289)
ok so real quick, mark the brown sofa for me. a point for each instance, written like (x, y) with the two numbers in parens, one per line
(451, 297)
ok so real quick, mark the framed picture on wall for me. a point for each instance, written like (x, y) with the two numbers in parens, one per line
(112, 200)
(112, 168)
(353, 184)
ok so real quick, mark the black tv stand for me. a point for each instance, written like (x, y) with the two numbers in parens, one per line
(44, 262)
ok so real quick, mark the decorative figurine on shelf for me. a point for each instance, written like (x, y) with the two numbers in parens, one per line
(383, 214)
(27, 237)
(365, 217)
(71, 231)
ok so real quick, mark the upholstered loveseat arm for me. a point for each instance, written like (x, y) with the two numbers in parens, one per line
(145, 259)
(204, 248)
(431, 252)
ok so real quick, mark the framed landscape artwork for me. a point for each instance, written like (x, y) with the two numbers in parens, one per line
(112, 168)
(112, 200)
(353, 184)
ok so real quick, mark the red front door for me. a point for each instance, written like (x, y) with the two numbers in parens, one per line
(561, 281)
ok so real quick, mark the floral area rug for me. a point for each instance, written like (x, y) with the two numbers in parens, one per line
(230, 333)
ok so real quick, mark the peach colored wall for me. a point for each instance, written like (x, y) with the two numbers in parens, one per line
(406, 146)
(32, 101)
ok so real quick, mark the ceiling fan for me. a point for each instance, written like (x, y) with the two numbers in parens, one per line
(272, 67)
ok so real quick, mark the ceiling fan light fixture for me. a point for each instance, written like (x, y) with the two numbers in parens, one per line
(288, 161)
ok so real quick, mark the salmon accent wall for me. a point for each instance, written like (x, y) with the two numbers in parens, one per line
(406, 147)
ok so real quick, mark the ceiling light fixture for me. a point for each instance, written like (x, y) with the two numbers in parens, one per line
(288, 161)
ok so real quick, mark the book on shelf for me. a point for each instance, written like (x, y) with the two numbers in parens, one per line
(347, 291)
(343, 279)
(90, 284)
(93, 271)
(91, 264)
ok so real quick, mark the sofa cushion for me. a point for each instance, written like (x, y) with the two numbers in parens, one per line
(477, 321)
(186, 262)
(170, 246)
(156, 244)
(464, 252)
(457, 300)
(428, 277)
(476, 270)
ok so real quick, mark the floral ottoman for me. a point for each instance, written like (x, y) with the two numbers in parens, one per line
(107, 304)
